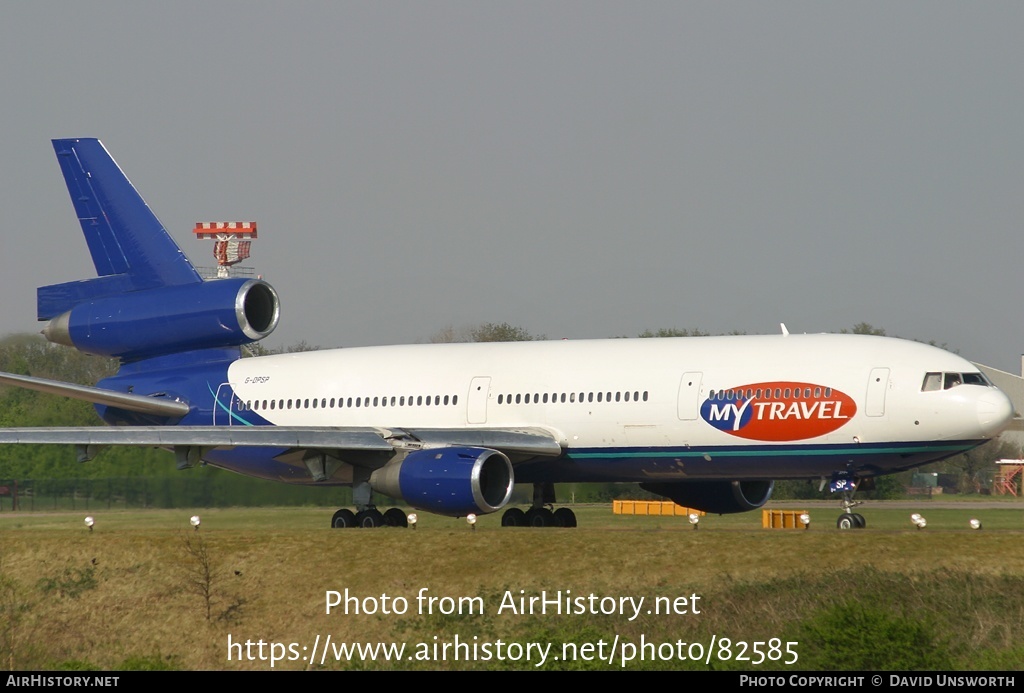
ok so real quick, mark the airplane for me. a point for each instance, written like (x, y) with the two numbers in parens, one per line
(708, 422)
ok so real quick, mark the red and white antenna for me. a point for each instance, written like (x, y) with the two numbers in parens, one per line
(231, 241)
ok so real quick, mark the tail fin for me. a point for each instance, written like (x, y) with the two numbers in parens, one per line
(129, 246)
(148, 300)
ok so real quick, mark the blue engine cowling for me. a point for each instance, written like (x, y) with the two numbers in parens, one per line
(453, 481)
(169, 319)
(720, 497)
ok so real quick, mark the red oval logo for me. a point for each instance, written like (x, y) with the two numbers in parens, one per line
(778, 411)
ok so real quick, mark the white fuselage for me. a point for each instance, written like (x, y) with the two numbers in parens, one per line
(764, 395)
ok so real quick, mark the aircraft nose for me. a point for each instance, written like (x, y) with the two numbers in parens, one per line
(995, 410)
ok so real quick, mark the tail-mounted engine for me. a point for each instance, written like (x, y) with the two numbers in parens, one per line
(169, 319)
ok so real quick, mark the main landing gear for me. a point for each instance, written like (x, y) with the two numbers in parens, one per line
(367, 514)
(369, 517)
(847, 485)
(541, 513)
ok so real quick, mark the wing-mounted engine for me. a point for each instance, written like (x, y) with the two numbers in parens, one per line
(720, 497)
(169, 319)
(453, 481)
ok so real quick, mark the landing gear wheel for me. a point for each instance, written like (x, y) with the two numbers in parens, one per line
(851, 521)
(565, 517)
(369, 518)
(343, 518)
(540, 517)
(513, 517)
(395, 518)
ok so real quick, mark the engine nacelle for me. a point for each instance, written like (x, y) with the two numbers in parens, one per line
(169, 319)
(453, 481)
(719, 497)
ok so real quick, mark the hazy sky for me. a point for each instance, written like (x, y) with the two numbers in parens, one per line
(581, 169)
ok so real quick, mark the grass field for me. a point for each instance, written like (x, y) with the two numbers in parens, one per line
(144, 590)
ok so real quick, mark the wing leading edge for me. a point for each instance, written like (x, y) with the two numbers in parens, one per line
(517, 444)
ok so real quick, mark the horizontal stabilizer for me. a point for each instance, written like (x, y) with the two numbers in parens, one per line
(96, 395)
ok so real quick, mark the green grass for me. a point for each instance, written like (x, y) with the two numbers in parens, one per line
(942, 514)
(129, 594)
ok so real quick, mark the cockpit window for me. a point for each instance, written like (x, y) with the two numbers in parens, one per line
(944, 381)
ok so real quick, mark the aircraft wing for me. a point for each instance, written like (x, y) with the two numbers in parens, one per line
(518, 444)
(146, 405)
(362, 446)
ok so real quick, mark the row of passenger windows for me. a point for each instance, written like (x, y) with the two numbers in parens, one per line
(562, 397)
(350, 402)
(777, 393)
(436, 400)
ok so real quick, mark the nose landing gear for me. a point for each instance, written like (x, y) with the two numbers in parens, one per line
(847, 484)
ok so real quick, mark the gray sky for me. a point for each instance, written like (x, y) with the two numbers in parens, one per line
(582, 169)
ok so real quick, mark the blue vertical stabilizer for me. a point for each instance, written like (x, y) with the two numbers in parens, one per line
(129, 246)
